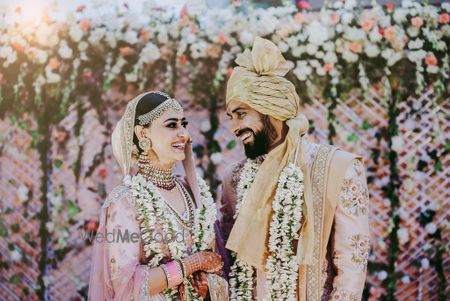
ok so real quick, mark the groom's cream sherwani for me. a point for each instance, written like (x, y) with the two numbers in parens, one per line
(336, 180)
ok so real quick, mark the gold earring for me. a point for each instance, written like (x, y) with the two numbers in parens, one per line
(145, 144)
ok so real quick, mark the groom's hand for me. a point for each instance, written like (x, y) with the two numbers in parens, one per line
(200, 283)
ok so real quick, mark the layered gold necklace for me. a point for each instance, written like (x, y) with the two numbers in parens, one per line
(164, 179)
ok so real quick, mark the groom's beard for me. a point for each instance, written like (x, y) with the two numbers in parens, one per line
(262, 141)
(259, 147)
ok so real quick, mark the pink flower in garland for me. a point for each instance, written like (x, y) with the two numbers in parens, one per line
(328, 67)
(91, 226)
(417, 22)
(125, 51)
(222, 38)
(18, 46)
(182, 59)
(355, 47)
(334, 19)
(80, 8)
(390, 7)
(85, 25)
(389, 33)
(431, 59)
(444, 18)
(303, 4)
(103, 172)
(299, 18)
(54, 63)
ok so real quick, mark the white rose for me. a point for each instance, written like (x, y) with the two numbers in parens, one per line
(375, 36)
(163, 37)
(320, 54)
(446, 6)
(205, 126)
(339, 28)
(297, 51)
(41, 56)
(130, 37)
(314, 63)
(441, 46)
(403, 236)
(150, 53)
(425, 263)
(320, 71)
(83, 46)
(110, 38)
(317, 33)
(311, 49)
(53, 40)
(416, 56)
(400, 15)
(415, 44)
(372, 50)
(76, 33)
(431, 228)
(405, 279)
(303, 70)
(5, 51)
(16, 256)
(65, 51)
(216, 158)
(131, 77)
(397, 143)
(23, 193)
(283, 46)
(413, 31)
(246, 37)
(330, 57)
(382, 275)
(350, 4)
(432, 69)
(328, 46)
(50, 226)
(349, 56)
(96, 35)
(347, 18)
(51, 76)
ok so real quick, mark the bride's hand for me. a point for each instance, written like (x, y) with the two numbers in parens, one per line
(209, 262)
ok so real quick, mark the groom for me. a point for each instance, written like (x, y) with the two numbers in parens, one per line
(326, 243)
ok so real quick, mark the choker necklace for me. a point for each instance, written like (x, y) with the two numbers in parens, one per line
(162, 178)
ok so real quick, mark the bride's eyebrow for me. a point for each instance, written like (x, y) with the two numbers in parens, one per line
(175, 119)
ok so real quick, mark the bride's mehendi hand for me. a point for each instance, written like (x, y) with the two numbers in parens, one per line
(209, 262)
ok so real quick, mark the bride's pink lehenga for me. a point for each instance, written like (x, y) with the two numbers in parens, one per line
(118, 269)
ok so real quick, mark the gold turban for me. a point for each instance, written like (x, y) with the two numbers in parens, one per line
(259, 82)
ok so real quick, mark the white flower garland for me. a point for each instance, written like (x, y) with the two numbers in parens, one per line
(281, 263)
(152, 212)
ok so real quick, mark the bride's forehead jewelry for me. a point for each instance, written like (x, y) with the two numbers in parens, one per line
(169, 103)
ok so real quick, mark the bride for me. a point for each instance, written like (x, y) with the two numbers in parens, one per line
(156, 230)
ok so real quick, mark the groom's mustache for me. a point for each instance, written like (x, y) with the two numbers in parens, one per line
(240, 132)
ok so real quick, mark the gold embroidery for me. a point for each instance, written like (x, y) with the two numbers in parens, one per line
(314, 289)
(343, 295)
(361, 247)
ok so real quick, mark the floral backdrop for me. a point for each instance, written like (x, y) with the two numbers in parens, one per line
(372, 80)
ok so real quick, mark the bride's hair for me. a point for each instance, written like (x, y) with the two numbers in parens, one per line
(146, 104)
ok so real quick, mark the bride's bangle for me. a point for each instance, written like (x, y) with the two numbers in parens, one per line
(173, 273)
